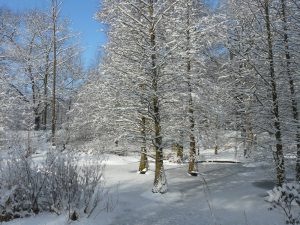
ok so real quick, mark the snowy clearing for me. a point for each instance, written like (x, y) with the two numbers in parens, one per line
(224, 194)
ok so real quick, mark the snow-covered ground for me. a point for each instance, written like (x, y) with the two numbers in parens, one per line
(223, 194)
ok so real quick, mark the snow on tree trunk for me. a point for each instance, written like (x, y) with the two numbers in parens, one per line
(143, 168)
(193, 167)
(160, 181)
(178, 150)
(291, 81)
(55, 11)
(278, 154)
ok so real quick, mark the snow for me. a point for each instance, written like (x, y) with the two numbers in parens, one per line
(224, 194)
(288, 190)
(228, 155)
(120, 160)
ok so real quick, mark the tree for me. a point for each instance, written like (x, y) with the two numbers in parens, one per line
(138, 52)
(290, 72)
(27, 46)
(257, 21)
(55, 4)
(190, 18)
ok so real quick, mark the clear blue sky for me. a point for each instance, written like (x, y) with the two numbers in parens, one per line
(80, 12)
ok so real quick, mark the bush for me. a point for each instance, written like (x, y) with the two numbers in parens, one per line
(287, 199)
(56, 182)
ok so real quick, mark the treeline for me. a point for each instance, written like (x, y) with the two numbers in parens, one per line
(173, 73)
(40, 65)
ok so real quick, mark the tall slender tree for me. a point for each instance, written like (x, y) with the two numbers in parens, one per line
(55, 4)
(138, 46)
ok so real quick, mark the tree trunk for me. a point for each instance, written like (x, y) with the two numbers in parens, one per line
(193, 167)
(217, 136)
(37, 121)
(53, 120)
(37, 116)
(291, 85)
(143, 168)
(278, 154)
(178, 149)
(45, 112)
(160, 181)
(249, 135)
(216, 149)
(34, 89)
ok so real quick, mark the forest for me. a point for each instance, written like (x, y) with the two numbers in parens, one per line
(190, 114)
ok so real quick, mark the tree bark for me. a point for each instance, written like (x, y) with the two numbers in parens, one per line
(34, 89)
(143, 168)
(193, 167)
(278, 154)
(249, 143)
(45, 112)
(291, 85)
(178, 149)
(54, 21)
(160, 182)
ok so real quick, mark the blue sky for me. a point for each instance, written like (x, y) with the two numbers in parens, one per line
(80, 12)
